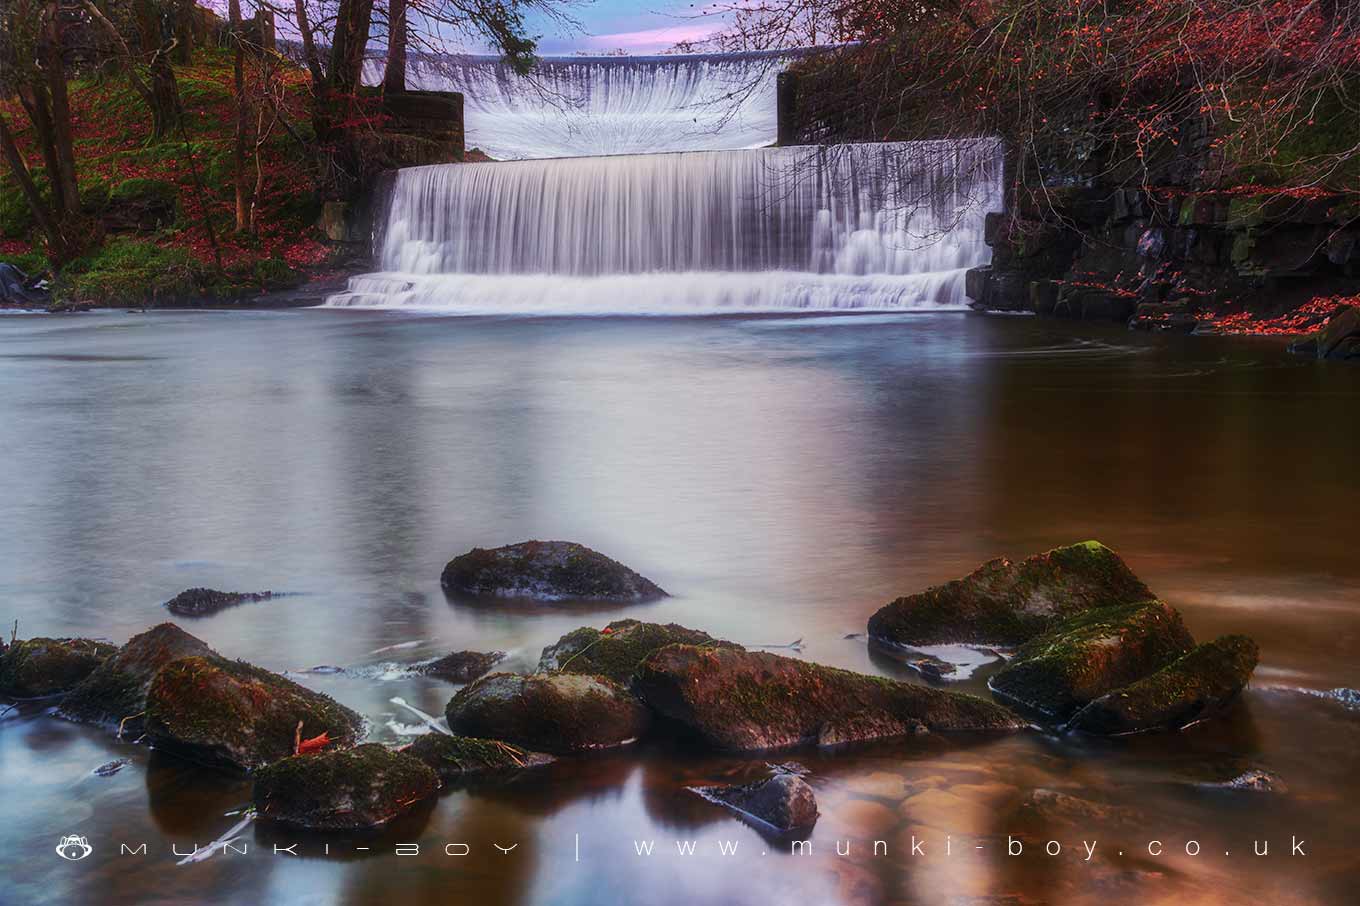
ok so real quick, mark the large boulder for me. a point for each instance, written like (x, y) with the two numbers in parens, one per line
(202, 602)
(546, 571)
(43, 667)
(1091, 654)
(235, 715)
(452, 757)
(619, 648)
(785, 802)
(461, 666)
(749, 701)
(558, 713)
(1185, 691)
(117, 688)
(366, 786)
(1006, 603)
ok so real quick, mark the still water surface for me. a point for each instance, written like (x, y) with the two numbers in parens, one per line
(783, 478)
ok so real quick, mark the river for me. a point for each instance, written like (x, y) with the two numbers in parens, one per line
(783, 477)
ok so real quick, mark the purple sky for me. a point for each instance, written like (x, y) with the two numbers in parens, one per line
(649, 26)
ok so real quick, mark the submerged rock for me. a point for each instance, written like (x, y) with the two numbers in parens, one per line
(619, 648)
(355, 788)
(1187, 690)
(457, 756)
(546, 571)
(558, 713)
(1252, 781)
(745, 701)
(784, 801)
(1005, 603)
(462, 666)
(202, 602)
(117, 688)
(42, 667)
(1091, 654)
(235, 715)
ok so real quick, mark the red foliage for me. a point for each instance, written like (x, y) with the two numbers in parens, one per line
(111, 128)
(1308, 317)
(315, 744)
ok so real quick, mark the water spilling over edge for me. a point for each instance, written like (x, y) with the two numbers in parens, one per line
(870, 226)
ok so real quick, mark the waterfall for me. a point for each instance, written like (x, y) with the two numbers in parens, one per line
(579, 106)
(886, 226)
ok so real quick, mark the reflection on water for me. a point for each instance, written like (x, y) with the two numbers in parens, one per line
(783, 477)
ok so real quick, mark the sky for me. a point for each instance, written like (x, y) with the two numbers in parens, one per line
(639, 26)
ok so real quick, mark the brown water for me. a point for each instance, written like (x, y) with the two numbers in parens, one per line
(783, 477)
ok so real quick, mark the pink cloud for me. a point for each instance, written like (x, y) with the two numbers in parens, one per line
(652, 39)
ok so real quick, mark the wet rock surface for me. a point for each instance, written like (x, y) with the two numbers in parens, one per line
(42, 667)
(237, 716)
(1007, 603)
(462, 666)
(116, 690)
(546, 571)
(746, 701)
(558, 713)
(366, 786)
(1091, 654)
(618, 649)
(784, 802)
(203, 602)
(1189, 689)
(452, 757)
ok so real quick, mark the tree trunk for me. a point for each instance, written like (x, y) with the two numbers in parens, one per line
(394, 77)
(238, 150)
(309, 48)
(352, 22)
(57, 246)
(164, 91)
(62, 144)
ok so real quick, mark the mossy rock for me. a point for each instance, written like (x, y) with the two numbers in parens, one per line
(546, 571)
(1091, 654)
(558, 713)
(1185, 691)
(366, 786)
(1006, 603)
(618, 649)
(461, 666)
(202, 602)
(234, 715)
(117, 688)
(749, 701)
(43, 667)
(141, 204)
(452, 757)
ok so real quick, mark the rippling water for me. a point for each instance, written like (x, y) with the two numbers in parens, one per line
(783, 477)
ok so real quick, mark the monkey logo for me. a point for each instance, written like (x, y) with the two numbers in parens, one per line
(73, 848)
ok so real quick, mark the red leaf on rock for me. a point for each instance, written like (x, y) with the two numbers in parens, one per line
(315, 744)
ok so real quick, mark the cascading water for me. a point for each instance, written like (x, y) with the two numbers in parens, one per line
(577, 106)
(871, 226)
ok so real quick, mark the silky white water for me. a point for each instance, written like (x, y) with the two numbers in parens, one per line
(580, 106)
(870, 226)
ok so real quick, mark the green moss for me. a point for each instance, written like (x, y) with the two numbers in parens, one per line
(1187, 689)
(41, 667)
(130, 272)
(342, 789)
(145, 191)
(1091, 653)
(238, 715)
(617, 651)
(1006, 603)
(453, 756)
